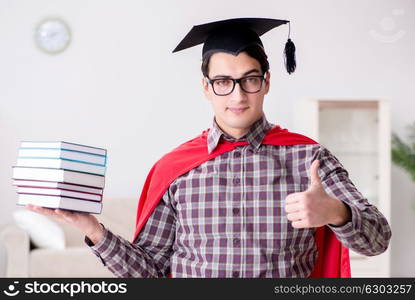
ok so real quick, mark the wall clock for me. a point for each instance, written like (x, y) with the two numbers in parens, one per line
(52, 35)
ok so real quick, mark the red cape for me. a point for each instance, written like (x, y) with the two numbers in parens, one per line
(333, 258)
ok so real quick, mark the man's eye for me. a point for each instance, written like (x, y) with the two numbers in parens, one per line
(222, 82)
(251, 79)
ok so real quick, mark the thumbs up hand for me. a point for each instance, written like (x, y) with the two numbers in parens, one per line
(314, 207)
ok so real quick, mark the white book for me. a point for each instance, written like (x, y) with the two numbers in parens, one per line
(61, 164)
(58, 192)
(63, 145)
(62, 153)
(59, 175)
(58, 185)
(61, 202)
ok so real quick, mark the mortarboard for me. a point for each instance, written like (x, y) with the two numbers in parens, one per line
(234, 35)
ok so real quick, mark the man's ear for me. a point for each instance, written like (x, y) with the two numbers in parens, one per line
(205, 85)
(267, 81)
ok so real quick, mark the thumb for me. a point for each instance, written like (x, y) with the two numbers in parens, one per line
(315, 178)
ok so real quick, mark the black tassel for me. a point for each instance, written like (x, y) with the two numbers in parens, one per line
(289, 56)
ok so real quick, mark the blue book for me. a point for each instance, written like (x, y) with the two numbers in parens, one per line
(62, 155)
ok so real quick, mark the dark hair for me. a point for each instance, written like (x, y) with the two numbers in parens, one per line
(253, 51)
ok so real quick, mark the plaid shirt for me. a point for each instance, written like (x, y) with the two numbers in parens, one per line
(226, 217)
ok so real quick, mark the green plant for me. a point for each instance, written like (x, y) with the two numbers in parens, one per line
(403, 154)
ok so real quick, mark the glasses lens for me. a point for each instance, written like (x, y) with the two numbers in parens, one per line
(251, 84)
(222, 86)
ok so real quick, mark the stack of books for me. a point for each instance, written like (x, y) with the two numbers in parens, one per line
(60, 175)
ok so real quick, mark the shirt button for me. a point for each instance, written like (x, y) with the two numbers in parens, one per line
(236, 241)
(236, 180)
(235, 211)
(235, 274)
(237, 154)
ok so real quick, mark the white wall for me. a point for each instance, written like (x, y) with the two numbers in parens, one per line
(118, 85)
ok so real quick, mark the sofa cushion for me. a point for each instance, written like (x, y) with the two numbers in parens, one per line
(42, 231)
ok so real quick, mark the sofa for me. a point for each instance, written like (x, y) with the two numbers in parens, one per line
(71, 257)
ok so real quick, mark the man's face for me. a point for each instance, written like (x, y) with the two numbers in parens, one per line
(227, 65)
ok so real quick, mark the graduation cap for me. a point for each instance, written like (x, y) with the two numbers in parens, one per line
(234, 35)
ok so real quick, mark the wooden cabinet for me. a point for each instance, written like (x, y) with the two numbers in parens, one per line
(357, 132)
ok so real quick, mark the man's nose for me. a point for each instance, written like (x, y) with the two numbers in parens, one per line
(238, 93)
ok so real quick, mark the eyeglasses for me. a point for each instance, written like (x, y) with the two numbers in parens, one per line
(225, 86)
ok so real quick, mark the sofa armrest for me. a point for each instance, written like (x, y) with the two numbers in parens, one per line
(73, 262)
(17, 244)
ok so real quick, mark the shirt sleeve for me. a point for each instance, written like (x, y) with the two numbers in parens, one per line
(368, 232)
(149, 255)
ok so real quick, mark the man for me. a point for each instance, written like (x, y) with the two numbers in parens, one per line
(246, 197)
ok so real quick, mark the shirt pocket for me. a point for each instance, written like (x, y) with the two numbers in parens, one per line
(282, 188)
